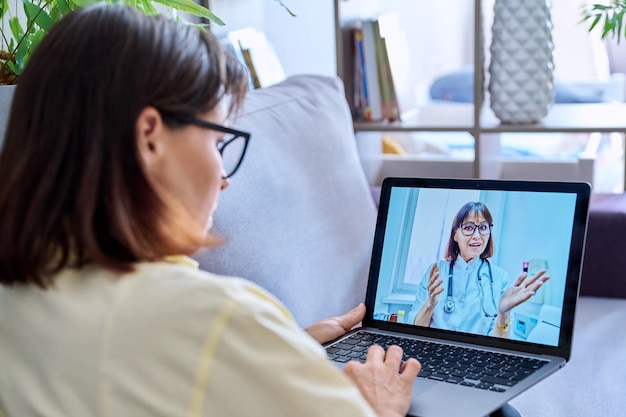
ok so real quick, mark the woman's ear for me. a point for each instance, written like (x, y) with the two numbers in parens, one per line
(149, 130)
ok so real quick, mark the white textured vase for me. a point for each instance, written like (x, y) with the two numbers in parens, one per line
(521, 70)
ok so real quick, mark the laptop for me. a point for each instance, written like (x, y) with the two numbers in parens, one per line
(472, 363)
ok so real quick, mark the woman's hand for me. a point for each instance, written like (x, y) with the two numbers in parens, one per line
(331, 328)
(386, 389)
(425, 314)
(434, 286)
(521, 291)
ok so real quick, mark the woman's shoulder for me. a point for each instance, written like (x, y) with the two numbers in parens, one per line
(173, 293)
(181, 277)
(206, 302)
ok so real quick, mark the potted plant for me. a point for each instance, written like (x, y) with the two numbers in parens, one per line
(611, 17)
(21, 37)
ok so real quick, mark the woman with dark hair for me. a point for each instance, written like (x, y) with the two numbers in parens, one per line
(114, 158)
(478, 295)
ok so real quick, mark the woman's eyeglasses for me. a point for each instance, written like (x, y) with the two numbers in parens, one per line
(484, 228)
(232, 147)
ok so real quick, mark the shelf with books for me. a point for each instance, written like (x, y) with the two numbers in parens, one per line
(374, 65)
(432, 51)
(396, 26)
(443, 117)
(253, 50)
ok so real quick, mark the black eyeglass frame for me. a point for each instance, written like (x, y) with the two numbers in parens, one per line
(219, 128)
(476, 226)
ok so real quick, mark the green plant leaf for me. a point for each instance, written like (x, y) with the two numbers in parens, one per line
(23, 37)
(16, 28)
(188, 6)
(4, 6)
(619, 18)
(36, 13)
(63, 7)
(148, 7)
(35, 40)
(21, 55)
(14, 68)
(81, 3)
(610, 16)
(595, 22)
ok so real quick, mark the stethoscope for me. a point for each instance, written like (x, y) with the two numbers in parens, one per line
(449, 305)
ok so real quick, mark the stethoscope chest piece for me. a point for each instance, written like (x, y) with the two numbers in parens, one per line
(449, 305)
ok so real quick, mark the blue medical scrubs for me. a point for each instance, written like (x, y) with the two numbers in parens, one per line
(473, 312)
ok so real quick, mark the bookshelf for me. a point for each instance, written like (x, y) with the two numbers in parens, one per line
(476, 118)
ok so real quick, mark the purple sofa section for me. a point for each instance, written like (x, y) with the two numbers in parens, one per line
(604, 263)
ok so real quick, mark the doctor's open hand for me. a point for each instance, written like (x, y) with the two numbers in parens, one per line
(387, 390)
(434, 286)
(521, 291)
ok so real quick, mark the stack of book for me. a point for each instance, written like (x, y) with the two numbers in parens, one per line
(254, 51)
(374, 91)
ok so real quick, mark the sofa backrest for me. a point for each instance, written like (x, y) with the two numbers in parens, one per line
(298, 216)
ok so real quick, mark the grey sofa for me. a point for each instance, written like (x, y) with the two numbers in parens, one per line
(299, 219)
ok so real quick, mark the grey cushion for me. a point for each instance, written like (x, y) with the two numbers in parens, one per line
(298, 215)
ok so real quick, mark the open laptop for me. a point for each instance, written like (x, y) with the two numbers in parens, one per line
(466, 369)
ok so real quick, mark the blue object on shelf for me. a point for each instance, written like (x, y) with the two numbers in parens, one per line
(458, 87)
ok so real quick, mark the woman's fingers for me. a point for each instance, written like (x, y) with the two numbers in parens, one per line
(535, 277)
(375, 353)
(434, 283)
(520, 279)
(434, 274)
(393, 357)
(435, 287)
(410, 369)
(437, 290)
(538, 283)
(384, 380)
(523, 279)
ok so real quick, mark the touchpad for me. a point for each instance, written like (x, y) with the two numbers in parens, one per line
(422, 385)
(419, 401)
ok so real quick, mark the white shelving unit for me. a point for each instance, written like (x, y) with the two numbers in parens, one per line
(475, 119)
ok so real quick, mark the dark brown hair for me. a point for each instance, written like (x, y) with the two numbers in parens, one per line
(469, 209)
(71, 186)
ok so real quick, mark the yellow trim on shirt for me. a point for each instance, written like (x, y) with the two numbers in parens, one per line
(198, 395)
(181, 260)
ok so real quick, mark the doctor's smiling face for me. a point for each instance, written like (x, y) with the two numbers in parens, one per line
(472, 236)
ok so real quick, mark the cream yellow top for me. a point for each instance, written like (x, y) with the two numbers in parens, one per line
(165, 340)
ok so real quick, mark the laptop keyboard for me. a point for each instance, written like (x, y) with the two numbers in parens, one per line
(453, 364)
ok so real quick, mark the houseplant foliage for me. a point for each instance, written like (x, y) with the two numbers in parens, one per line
(610, 17)
(21, 37)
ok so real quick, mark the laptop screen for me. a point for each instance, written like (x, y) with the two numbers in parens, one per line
(496, 259)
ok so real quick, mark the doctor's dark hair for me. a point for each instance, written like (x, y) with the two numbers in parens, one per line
(72, 189)
(465, 212)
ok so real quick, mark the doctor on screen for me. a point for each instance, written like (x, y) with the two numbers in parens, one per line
(465, 291)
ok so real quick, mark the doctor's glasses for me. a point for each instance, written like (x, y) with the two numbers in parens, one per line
(468, 228)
